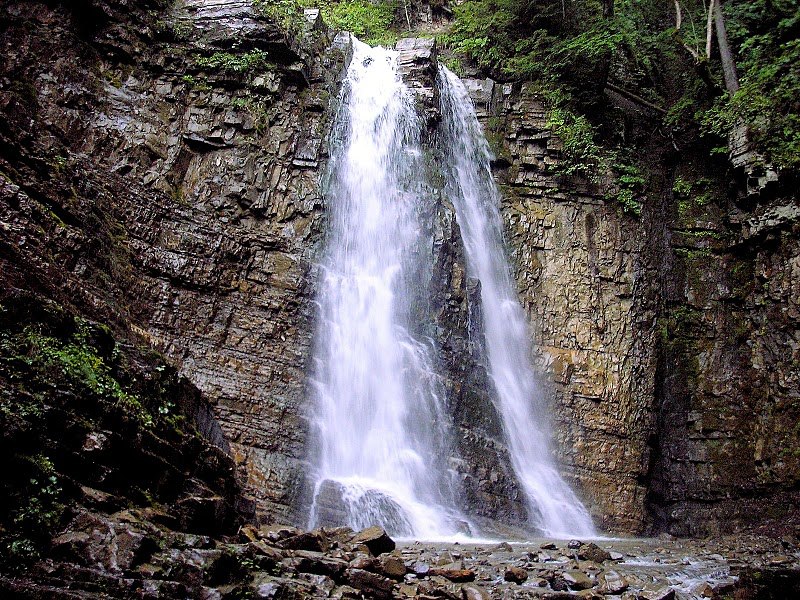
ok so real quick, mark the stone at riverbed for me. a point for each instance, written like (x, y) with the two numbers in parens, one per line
(421, 568)
(455, 575)
(366, 563)
(664, 593)
(594, 553)
(309, 540)
(549, 546)
(474, 592)
(577, 580)
(515, 574)
(613, 583)
(376, 539)
(371, 585)
(393, 567)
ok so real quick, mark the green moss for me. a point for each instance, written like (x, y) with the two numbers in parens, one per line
(235, 63)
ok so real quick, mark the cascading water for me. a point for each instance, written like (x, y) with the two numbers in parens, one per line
(552, 505)
(380, 425)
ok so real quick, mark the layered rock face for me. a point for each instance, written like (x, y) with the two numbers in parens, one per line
(576, 260)
(669, 340)
(161, 171)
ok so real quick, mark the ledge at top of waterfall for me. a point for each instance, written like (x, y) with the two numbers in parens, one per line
(381, 432)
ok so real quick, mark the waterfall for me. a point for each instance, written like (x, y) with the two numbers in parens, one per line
(552, 505)
(380, 427)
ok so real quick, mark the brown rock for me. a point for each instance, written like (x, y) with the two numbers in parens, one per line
(376, 539)
(393, 567)
(594, 553)
(454, 575)
(371, 585)
(577, 580)
(474, 592)
(613, 583)
(515, 574)
(315, 541)
(664, 593)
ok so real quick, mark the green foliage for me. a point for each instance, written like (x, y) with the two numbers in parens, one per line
(767, 36)
(369, 20)
(286, 13)
(632, 185)
(235, 63)
(33, 502)
(80, 364)
(580, 153)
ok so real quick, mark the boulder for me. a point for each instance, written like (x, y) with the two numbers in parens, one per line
(594, 553)
(515, 574)
(613, 583)
(577, 580)
(454, 575)
(393, 567)
(375, 539)
(369, 584)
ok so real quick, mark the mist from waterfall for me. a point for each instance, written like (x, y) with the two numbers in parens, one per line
(381, 429)
(552, 505)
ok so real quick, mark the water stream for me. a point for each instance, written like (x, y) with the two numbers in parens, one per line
(380, 423)
(552, 505)
(381, 429)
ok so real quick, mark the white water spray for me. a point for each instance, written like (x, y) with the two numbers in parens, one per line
(552, 505)
(379, 421)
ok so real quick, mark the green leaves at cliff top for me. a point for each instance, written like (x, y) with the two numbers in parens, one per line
(369, 20)
(576, 46)
(766, 35)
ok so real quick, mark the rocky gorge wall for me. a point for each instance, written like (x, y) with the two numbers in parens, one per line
(161, 172)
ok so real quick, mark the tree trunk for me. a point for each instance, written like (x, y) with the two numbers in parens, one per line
(709, 28)
(726, 56)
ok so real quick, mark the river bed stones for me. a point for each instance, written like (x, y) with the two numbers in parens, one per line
(259, 563)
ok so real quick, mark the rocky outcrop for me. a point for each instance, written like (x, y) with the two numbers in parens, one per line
(668, 340)
(161, 172)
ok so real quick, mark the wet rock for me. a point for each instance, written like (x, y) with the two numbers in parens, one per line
(366, 563)
(616, 555)
(474, 592)
(393, 567)
(376, 539)
(613, 583)
(574, 544)
(420, 568)
(664, 593)
(594, 553)
(309, 540)
(515, 574)
(577, 580)
(306, 561)
(370, 584)
(454, 575)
